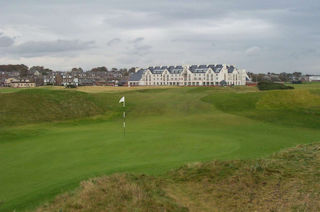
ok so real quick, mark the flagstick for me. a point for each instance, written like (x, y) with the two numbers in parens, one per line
(124, 119)
(123, 100)
(124, 123)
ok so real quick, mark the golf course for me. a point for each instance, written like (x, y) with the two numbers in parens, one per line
(52, 138)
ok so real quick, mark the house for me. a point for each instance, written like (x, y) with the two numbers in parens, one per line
(194, 75)
(314, 78)
(69, 80)
(8, 81)
(49, 79)
(23, 83)
(85, 82)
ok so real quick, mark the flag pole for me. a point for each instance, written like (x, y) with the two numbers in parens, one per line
(124, 118)
(124, 123)
(123, 101)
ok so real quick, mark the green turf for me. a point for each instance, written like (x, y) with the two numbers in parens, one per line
(165, 129)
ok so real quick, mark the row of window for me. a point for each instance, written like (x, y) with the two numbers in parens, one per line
(166, 77)
(24, 85)
(185, 83)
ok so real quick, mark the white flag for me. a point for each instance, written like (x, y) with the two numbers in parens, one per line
(122, 100)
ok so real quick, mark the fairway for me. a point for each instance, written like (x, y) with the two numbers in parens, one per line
(41, 156)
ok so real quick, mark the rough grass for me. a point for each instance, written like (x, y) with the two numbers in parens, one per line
(287, 181)
(165, 129)
(289, 108)
(40, 105)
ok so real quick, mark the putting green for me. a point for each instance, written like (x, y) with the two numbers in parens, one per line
(165, 129)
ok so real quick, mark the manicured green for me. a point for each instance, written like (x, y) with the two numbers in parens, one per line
(166, 128)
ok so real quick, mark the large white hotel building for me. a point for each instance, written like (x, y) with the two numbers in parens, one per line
(194, 75)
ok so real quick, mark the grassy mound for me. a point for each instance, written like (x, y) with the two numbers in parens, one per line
(41, 105)
(289, 108)
(287, 181)
(272, 86)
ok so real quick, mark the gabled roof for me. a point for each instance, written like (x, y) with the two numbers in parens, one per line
(211, 66)
(199, 70)
(137, 75)
(218, 68)
(157, 70)
(176, 71)
(202, 66)
(230, 69)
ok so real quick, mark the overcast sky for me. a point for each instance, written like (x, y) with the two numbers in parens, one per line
(259, 36)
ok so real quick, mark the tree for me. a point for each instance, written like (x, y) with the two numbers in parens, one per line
(124, 72)
(12, 68)
(132, 70)
(40, 69)
(76, 71)
(284, 77)
(100, 69)
(297, 75)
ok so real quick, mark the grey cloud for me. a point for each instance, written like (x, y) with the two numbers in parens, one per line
(254, 50)
(262, 35)
(41, 48)
(138, 40)
(113, 42)
(139, 47)
(141, 50)
(6, 41)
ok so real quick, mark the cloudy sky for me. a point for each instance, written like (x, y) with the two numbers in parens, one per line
(260, 36)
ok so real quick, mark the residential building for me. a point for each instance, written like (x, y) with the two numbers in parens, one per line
(314, 78)
(194, 75)
(69, 80)
(23, 83)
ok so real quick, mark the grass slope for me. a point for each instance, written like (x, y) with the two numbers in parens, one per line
(287, 181)
(166, 128)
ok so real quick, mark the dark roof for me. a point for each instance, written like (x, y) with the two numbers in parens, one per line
(176, 70)
(211, 66)
(202, 66)
(137, 75)
(199, 70)
(170, 68)
(218, 68)
(157, 71)
(230, 69)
